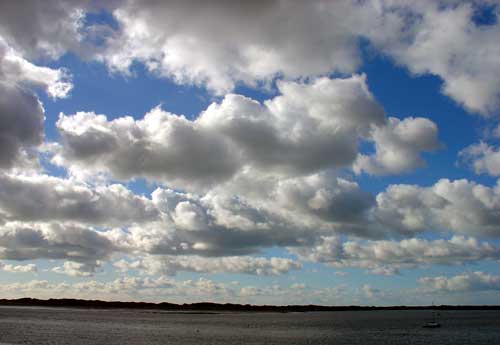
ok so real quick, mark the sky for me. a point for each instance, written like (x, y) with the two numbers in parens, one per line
(265, 152)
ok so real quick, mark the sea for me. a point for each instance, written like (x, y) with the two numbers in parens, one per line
(55, 326)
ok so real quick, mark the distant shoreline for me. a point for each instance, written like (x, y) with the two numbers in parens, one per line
(214, 307)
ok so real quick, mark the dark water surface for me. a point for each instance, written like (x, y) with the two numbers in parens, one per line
(55, 326)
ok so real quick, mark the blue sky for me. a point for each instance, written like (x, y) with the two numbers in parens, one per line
(320, 152)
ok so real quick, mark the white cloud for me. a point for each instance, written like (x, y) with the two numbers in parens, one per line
(460, 206)
(28, 268)
(388, 257)
(398, 146)
(465, 282)
(310, 127)
(163, 289)
(14, 69)
(78, 269)
(170, 265)
(306, 128)
(259, 41)
(254, 41)
(442, 38)
(483, 158)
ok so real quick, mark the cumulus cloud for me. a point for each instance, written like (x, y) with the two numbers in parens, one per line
(50, 29)
(24, 241)
(255, 41)
(460, 206)
(211, 225)
(483, 158)
(21, 113)
(309, 127)
(14, 69)
(43, 198)
(398, 146)
(29, 268)
(160, 146)
(170, 265)
(298, 212)
(465, 282)
(289, 212)
(306, 128)
(260, 41)
(294, 212)
(78, 269)
(444, 39)
(328, 198)
(303, 39)
(388, 257)
(206, 233)
(231, 221)
(163, 289)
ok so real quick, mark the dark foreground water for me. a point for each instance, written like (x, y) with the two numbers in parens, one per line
(40, 326)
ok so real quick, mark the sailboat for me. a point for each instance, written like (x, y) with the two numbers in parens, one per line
(432, 323)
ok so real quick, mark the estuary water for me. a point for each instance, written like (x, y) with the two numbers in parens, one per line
(55, 326)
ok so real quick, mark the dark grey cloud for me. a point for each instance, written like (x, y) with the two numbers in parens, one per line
(21, 123)
(43, 198)
(293, 212)
(51, 28)
(160, 146)
(24, 241)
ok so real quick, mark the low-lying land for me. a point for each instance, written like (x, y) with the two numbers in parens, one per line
(207, 306)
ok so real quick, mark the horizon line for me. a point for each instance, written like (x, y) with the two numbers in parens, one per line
(227, 306)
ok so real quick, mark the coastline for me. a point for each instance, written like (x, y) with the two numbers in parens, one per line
(216, 307)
